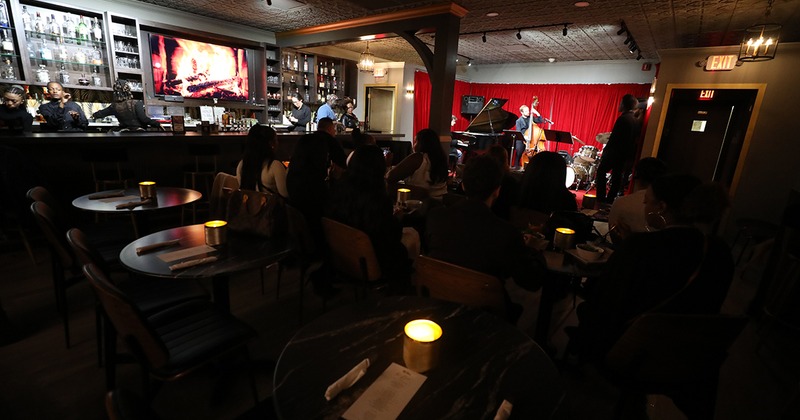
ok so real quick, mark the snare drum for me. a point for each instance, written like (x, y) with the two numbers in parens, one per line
(588, 153)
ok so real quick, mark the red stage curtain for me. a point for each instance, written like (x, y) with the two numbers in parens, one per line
(582, 109)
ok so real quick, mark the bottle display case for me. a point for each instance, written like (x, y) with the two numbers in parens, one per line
(274, 85)
(126, 51)
(65, 45)
(330, 77)
(298, 78)
(10, 70)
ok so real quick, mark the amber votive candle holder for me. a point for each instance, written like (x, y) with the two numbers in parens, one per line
(564, 238)
(402, 195)
(147, 189)
(589, 201)
(421, 345)
(216, 232)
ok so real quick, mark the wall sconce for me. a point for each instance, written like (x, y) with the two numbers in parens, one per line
(410, 92)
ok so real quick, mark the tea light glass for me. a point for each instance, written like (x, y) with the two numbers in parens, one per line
(216, 232)
(421, 345)
(147, 189)
(564, 238)
(402, 195)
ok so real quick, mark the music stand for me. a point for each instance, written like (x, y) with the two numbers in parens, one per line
(558, 136)
(514, 134)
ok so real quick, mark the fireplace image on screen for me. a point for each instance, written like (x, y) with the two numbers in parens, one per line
(194, 69)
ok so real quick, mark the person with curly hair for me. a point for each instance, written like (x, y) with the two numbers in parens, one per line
(128, 111)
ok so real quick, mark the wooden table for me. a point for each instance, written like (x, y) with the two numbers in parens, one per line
(240, 253)
(166, 197)
(484, 360)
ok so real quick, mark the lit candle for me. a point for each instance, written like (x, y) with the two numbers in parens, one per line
(402, 195)
(216, 232)
(421, 345)
(564, 238)
(589, 201)
(147, 189)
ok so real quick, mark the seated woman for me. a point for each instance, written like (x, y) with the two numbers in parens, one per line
(542, 187)
(509, 188)
(259, 170)
(675, 268)
(360, 199)
(128, 111)
(425, 168)
(14, 117)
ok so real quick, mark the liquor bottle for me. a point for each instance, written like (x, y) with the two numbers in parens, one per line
(333, 70)
(53, 27)
(3, 14)
(325, 68)
(42, 74)
(38, 24)
(96, 56)
(335, 85)
(26, 19)
(8, 70)
(320, 71)
(7, 42)
(63, 55)
(45, 53)
(63, 75)
(83, 30)
(97, 30)
(295, 64)
(31, 53)
(65, 26)
(80, 56)
(305, 80)
(305, 64)
(72, 30)
(96, 80)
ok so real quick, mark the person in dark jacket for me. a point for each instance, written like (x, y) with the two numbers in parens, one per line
(60, 114)
(14, 117)
(129, 112)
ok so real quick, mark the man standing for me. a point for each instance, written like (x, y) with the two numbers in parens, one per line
(326, 110)
(619, 151)
(59, 113)
(301, 115)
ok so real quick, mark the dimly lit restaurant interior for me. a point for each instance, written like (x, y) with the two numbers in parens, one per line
(573, 209)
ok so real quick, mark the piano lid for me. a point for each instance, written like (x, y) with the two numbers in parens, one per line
(492, 118)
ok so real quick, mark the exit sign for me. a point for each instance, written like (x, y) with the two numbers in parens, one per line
(706, 95)
(721, 62)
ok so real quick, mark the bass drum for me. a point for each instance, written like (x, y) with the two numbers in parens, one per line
(570, 177)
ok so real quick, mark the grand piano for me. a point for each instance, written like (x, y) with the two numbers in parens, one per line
(486, 129)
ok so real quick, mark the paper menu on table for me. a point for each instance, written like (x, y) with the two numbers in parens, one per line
(387, 396)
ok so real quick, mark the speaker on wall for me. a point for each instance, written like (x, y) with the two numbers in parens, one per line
(471, 105)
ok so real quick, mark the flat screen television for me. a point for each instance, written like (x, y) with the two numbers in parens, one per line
(194, 69)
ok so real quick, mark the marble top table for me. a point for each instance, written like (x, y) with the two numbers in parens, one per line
(484, 360)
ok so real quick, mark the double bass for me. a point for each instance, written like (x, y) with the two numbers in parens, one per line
(535, 137)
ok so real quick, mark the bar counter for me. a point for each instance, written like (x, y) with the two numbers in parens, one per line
(61, 158)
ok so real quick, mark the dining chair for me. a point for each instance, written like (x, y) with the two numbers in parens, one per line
(65, 266)
(176, 341)
(453, 283)
(351, 254)
(108, 166)
(224, 185)
(304, 252)
(676, 355)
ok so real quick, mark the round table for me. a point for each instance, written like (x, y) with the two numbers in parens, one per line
(484, 360)
(241, 252)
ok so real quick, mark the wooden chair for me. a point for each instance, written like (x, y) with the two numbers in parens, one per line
(224, 185)
(351, 253)
(109, 168)
(453, 283)
(304, 252)
(176, 341)
(675, 355)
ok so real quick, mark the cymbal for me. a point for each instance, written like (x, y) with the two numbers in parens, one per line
(602, 138)
(579, 140)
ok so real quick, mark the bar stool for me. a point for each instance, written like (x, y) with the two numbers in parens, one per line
(202, 171)
(108, 168)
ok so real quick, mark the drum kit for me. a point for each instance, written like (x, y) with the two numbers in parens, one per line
(582, 166)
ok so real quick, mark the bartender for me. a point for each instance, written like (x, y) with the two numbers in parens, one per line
(60, 114)
(301, 115)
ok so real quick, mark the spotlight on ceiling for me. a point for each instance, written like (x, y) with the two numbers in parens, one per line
(519, 34)
(619, 32)
(484, 37)
(469, 62)
(639, 57)
(633, 47)
(551, 59)
(628, 40)
(564, 31)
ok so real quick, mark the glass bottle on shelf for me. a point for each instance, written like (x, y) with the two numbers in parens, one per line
(53, 27)
(72, 30)
(63, 55)
(45, 53)
(42, 74)
(333, 70)
(63, 75)
(305, 64)
(38, 24)
(3, 14)
(305, 80)
(96, 80)
(26, 19)
(83, 30)
(97, 30)
(335, 85)
(7, 43)
(295, 65)
(8, 71)
(96, 57)
(325, 68)
(80, 56)
(31, 53)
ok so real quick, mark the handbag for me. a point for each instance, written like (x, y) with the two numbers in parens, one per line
(257, 213)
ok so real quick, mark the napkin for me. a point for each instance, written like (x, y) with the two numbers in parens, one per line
(348, 380)
(132, 204)
(504, 412)
(152, 247)
(98, 196)
(192, 263)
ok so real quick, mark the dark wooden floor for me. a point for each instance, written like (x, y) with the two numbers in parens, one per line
(41, 379)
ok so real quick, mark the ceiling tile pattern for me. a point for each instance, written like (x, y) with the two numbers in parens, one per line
(591, 35)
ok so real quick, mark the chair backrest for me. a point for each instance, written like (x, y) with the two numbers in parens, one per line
(128, 321)
(224, 185)
(673, 349)
(54, 231)
(39, 193)
(85, 251)
(351, 251)
(458, 284)
(522, 217)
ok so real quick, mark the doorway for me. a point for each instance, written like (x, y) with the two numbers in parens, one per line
(380, 108)
(704, 131)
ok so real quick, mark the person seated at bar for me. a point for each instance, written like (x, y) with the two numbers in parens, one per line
(14, 116)
(509, 187)
(348, 119)
(360, 199)
(673, 268)
(326, 110)
(426, 167)
(259, 170)
(627, 212)
(128, 111)
(61, 114)
(470, 235)
(301, 115)
(542, 187)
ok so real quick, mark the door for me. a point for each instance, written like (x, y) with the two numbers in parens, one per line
(380, 108)
(704, 131)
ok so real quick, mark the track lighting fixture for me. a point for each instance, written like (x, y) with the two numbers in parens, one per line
(564, 31)
(519, 34)
(619, 32)
(628, 40)
(469, 63)
(484, 37)
(563, 25)
(639, 57)
(633, 47)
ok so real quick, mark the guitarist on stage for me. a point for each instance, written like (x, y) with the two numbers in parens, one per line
(523, 125)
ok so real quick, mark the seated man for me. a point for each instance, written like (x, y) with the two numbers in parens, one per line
(470, 235)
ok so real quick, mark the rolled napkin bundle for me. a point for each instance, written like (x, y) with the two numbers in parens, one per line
(133, 204)
(101, 195)
(504, 412)
(192, 263)
(348, 380)
(152, 247)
